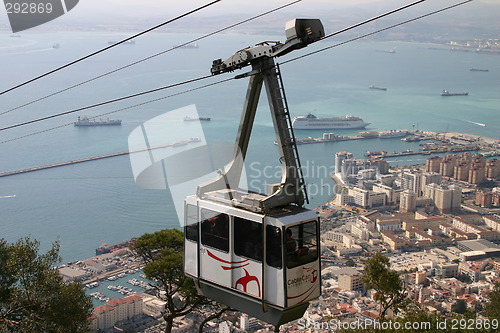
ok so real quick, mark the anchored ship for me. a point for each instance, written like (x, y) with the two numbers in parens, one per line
(447, 93)
(84, 121)
(197, 119)
(312, 122)
(377, 88)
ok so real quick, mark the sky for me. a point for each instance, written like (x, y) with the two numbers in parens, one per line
(107, 12)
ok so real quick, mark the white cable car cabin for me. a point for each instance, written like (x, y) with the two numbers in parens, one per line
(258, 253)
(266, 265)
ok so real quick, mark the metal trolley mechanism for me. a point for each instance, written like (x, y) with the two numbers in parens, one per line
(254, 252)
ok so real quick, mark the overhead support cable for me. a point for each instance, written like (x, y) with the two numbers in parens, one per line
(107, 102)
(373, 19)
(111, 46)
(122, 109)
(374, 32)
(150, 57)
(236, 77)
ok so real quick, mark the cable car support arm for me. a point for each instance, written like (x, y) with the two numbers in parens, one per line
(291, 190)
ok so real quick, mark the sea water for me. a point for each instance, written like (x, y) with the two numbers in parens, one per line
(87, 204)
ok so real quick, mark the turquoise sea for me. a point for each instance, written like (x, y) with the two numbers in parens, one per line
(87, 204)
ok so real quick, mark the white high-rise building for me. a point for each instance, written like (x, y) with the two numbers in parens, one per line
(339, 157)
(446, 197)
(412, 180)
(408, 201)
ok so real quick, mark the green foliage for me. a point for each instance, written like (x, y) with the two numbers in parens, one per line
(162, 253)
(33, 295)
(492, 308)
(459, 306)
(390, 290)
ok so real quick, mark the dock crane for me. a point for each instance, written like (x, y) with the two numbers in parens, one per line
(258, 253)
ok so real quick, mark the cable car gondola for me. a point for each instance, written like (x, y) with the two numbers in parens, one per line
(254, 252)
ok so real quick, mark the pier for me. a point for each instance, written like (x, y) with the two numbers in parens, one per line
(99, 157)
(446, 143)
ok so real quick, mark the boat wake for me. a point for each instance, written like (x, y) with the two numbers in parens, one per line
(7, 196)
(473, 122)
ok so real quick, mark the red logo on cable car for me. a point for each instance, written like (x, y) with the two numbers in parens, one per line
(244, 280)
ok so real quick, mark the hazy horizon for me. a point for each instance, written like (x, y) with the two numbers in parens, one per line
(129, 15)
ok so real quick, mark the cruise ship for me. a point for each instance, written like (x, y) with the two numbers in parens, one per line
(84, 121)
(312, 122)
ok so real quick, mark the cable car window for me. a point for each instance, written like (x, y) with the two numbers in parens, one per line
(191, 227)
(273, 244)
(248, 238)
(215, 230)
(301, 244)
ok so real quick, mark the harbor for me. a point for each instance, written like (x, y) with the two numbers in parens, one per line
(441, 142)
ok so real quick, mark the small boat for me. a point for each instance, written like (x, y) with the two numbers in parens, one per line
(447, 93)
(479, 70)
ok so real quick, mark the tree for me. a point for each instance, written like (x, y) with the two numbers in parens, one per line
(33, 295)
(162, 253)
(459, 306)
(492, 307)
(390, 289)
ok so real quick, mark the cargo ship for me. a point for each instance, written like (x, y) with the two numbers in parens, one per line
(377, 88)
(197, 119)
(84, 121)
(104, 248)
(312, 122)
(447, 93)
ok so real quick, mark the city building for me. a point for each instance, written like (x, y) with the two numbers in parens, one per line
(412, 180)
(431, 177)
(477, 174)
(493, 168)
(392, 196)
(339, 157)
(248, 323)
(432, 164)
(408, 201)
(115, 310)
(484, 198)
(349, 281)
(447, 165)
(447, 198)
(366, 198)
